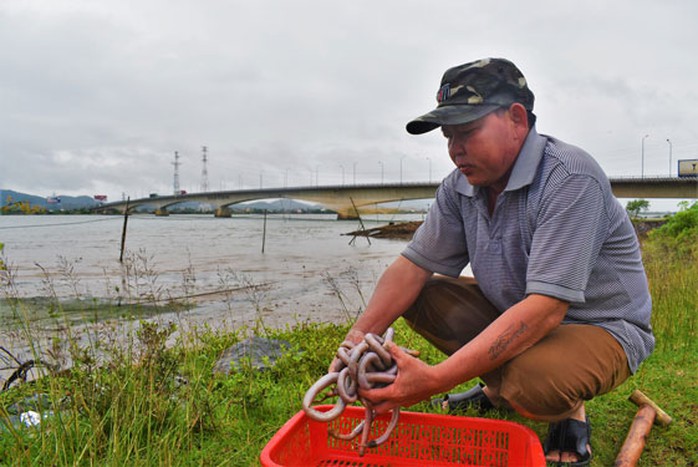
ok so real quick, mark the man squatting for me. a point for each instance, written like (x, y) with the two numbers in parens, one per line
(558, 310)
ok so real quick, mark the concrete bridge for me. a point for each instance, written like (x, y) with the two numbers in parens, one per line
(347, 200)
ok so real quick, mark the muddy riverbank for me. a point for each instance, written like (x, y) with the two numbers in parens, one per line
(405, 230)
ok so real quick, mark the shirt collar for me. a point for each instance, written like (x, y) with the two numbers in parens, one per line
(524, 168)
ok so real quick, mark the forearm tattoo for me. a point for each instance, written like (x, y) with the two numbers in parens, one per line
(507, 337)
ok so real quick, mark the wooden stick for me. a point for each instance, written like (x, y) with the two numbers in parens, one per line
(637, 436)
(361, 223)
(123, 231)
(646, 416)
(264, 231)
(639, 399)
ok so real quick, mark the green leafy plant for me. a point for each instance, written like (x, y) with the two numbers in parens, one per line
(635, 206)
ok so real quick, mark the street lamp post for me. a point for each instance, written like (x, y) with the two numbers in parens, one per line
(401, 169)
(670, 147)
(643, 156)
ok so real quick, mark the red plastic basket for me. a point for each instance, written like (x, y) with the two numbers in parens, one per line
(418, 440)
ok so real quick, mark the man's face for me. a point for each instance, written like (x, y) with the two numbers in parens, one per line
(485, 150)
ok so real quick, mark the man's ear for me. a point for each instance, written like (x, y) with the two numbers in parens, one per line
(519, 115)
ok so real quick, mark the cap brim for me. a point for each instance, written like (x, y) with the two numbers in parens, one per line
(448, 115)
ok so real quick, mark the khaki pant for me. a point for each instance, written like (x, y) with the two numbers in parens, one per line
(550, 380)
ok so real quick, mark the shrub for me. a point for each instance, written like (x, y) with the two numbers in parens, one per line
(679, 235)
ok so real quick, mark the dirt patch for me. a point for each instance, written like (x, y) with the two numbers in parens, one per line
(643, 227)
(401, 231)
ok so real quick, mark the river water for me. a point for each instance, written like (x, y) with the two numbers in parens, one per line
(308, 270)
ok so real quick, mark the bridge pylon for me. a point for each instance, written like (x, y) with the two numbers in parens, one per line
(347, 216)
(223, 211)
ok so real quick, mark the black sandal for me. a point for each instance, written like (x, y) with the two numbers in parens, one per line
(571, 436)
(457, 403)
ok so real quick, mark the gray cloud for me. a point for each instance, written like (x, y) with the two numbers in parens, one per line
(97, 96)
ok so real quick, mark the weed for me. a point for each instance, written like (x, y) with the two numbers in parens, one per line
(139, 278)
(8, 284)
(67, 273)
(49, 290)
(225, 277)
(189, 277)
(335, 283)
(257, 296)
(332, 282)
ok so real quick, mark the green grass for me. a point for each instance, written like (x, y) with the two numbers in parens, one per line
(151, 402)
(139, 415)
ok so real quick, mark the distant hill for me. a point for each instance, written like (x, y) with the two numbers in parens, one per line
(50, 203)
(277, 205)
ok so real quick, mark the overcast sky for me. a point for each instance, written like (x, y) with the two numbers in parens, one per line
(96, 96)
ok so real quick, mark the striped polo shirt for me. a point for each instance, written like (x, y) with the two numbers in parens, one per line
(556, 230)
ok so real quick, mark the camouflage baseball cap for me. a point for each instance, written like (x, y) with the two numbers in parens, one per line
(473, 90)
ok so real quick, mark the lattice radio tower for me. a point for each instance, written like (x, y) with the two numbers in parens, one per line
(204, 172)
(176, 164)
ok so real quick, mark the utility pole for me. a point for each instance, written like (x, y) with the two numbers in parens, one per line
(176, 164)
(204, 172)
(643, 155)
(401, 168)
